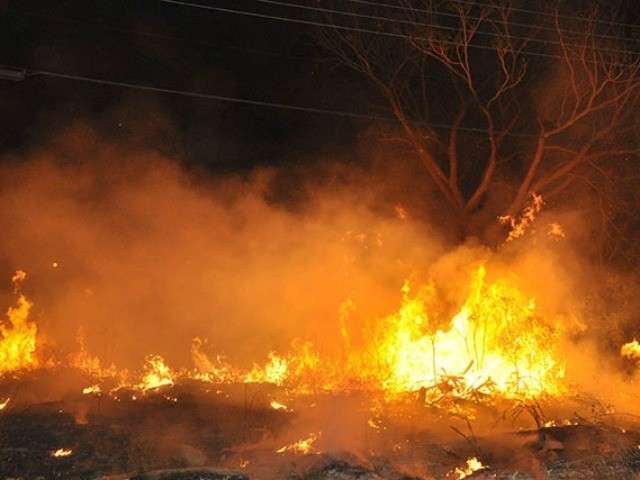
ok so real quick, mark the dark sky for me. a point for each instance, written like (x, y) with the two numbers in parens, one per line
(171, 46)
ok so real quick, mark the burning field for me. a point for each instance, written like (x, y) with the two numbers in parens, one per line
(155, 329)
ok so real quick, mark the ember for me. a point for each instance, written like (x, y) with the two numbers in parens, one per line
(303, 446)
(62, 452)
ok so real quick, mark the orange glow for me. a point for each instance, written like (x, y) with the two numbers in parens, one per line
(5, 403)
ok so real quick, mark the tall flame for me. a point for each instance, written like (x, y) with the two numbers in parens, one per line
(496, 340)
(18, 335)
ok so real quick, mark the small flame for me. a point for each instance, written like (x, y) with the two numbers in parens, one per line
(303, 446)
(157, 374)
(473, 465)
(62, 452)
(5, 403)
(631, 350)
(91, 389)
(519, 225)
(278, 406)
(275, 371)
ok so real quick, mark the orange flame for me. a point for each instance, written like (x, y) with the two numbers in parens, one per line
(157, 374)
(62, 452)
(303, 446)
(18, 335)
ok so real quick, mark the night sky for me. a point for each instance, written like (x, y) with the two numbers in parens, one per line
(176, 47)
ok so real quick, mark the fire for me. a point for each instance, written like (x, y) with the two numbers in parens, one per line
(18, 335)
(472, 465)
(275, 371)
(303, 446)
(519, 225)
(496, 341)
(62, 452)
(631, 350)
(497, 344)
(278, 406)
(5, 403)
(214, 371)
(90, 364)
(157, 374)
(91, 389)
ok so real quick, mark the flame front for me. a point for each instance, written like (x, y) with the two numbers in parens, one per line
(497, 343)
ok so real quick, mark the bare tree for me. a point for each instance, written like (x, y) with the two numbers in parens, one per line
(552, 96)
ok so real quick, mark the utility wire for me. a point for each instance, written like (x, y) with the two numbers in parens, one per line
(474, 3)
(432, 25)
(357, 29)
(471, 17)
(19, 74)
(28, 72)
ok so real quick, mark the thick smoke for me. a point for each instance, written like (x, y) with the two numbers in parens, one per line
(144, 255)
(141, 255)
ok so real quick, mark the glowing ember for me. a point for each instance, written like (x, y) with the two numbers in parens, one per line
(5, 403)
(473, 465)
(18, 277)
(519, 225)
(303, 446)
(631, 350)
(91, 389)
(556, 230)
(157, 374)
(62, 452)
(278, 406)
(18, 335)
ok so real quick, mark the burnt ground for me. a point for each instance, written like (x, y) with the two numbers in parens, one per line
(201, 431)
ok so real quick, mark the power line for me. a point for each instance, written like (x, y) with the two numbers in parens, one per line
(354, 29)
(18, 74)
(321, 24)
(433, 25)
(474, 3)
(471, 17)
(22, 73)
